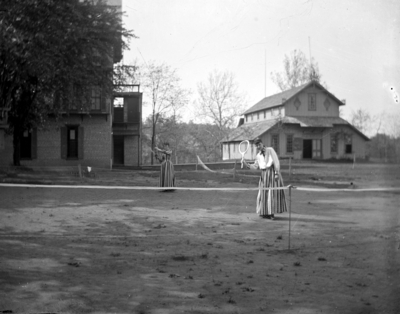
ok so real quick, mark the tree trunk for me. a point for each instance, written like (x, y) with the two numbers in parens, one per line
(153, 138)
(153, 135)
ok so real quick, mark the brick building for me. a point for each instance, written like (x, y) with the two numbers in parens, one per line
(98, 137)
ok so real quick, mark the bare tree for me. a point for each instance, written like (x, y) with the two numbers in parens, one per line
(361, 119)
(297, 71)
(392, 125)
(163, 92)
(219, 100)
(219, 103)
(378, 121)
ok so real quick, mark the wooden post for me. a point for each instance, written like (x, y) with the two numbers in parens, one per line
(354, 160)
(234, 170)
(79, 170)
(197, 161)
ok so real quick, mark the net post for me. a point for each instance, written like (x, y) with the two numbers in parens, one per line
(197, 162)
(290, 213)
(234, 170)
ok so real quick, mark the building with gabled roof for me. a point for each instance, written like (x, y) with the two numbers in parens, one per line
(301, 123)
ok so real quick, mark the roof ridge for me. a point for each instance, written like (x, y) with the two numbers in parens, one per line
(261, 105)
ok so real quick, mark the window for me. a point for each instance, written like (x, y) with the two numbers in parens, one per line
(348, 148)
(96, 99)
(312, 102)
(334, 143)
(297, 103)
(3, 115)
(275, 142)
(327, 104)
(289, 143)
(118, 109)
(265, 114)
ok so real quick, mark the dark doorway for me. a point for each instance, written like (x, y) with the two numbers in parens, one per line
(72, 142)
(118, 150)
(26, 145)
(307, 149)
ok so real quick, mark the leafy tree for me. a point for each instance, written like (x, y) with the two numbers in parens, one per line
(124, 76)
(187, 140)
(384, 147)
(205, 141)
(163, 92)
(171, 130)
(52, 53)
(297, 70)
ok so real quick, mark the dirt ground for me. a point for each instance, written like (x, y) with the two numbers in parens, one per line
(79, 250)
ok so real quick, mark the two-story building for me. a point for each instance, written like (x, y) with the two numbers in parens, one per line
(301, 123)
(108, 133)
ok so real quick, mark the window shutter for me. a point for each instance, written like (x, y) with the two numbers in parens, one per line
(63, 141)
(34, 144)
(80, 142)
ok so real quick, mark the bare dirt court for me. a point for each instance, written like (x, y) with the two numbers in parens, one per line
(144, 251)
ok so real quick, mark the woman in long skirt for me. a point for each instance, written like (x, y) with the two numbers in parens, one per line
(269, 202)
(167, 174)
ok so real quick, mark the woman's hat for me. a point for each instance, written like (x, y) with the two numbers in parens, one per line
(257, 140)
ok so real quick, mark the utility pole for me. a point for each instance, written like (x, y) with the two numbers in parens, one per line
(265, 74)
(309, 52)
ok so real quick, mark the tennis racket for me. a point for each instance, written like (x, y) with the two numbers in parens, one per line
(243, 148)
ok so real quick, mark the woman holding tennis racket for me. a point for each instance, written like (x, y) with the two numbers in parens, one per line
(167, 174)
(269, 202)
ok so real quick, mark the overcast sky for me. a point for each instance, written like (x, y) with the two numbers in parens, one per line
(355, 42)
